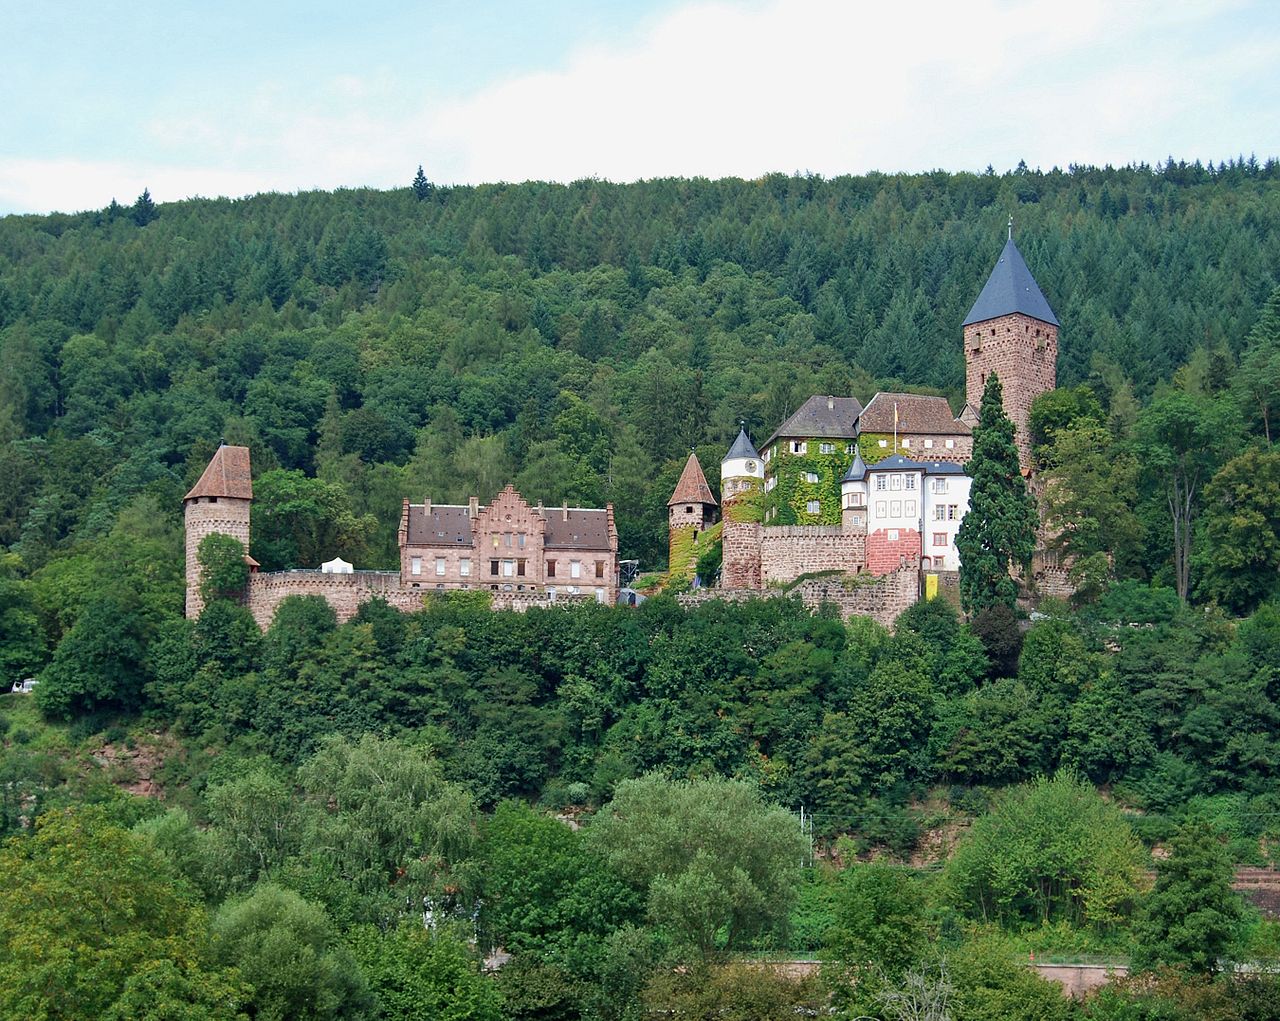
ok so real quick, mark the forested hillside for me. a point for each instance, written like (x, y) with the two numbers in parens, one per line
(577, 339)
(338, 820)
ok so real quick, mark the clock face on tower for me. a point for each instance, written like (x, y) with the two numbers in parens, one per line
(751, 466)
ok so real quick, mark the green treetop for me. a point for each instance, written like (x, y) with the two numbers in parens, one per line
(999, 531)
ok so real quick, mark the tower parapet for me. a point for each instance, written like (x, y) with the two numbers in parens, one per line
(219, 502)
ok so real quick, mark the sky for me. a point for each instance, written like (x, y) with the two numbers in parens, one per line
(102, 99)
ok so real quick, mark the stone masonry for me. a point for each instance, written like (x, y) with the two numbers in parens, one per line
(1024, 352)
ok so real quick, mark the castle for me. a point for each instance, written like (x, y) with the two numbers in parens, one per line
(879, 491)
(520, 555)
(846, 504)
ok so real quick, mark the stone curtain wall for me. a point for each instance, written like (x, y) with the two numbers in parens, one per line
(1026, 363)
(882, 599)
(346, 592)
(202, 517)
(788, 551)
(757, 555)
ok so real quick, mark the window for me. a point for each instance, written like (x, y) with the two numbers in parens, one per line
(799, 447)
(520, 568)
(879, 508)
(893, 535)
(827, 448)
(599, 595)
(506, 539)
(551, 568)
(906, 444)
(909, 508)
(495, 540)
(520, 540)
(848, 448)
(773, 481)
(599, 568)
(689, 509)
(928, 444)
(939, 538)
(439, 567)
(813, 506)
(895, 482)
(415, 565)
(881, 484)
(939, 513)
(895, 509)
(953, 512)
(575, 568)
(910, 483)
(939, 485)
(464, 567)
(508, 568)
(883, 444)
(493, 568)
(811, 477)
(951, 444)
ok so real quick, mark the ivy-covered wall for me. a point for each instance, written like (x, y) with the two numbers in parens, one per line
(869, 444)
(686, 549)
(786, 503)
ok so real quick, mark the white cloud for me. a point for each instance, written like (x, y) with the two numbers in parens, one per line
(716, 89)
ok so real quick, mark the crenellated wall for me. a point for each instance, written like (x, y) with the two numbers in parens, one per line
(759, 555)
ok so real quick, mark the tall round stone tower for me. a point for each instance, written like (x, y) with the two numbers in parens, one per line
(1011, 331)
(219, 502)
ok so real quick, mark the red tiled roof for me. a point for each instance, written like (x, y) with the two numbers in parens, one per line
(227, 475)
(692, 487)
(917, 413)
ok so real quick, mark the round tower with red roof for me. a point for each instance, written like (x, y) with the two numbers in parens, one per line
(219, 502)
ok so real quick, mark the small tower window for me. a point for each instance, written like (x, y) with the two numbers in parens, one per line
(688, 510)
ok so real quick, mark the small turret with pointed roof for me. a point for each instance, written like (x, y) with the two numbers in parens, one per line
(692, 506)
(739, 467)
(1011, 330)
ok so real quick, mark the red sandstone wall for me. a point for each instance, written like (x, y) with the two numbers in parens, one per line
(1026, 363)
(885, 555)
(740, 545)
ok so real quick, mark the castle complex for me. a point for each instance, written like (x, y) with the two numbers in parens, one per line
(521, 555)
(878, 491)
(872, 495)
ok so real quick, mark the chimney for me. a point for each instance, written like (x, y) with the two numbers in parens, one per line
(831, 403)
(473, 506)
(426, 507)
(565, 511)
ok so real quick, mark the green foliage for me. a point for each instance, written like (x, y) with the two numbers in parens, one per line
(416, 976)
(1052, 848)
(546, 892)
(224, 573)
(734, 992)
(302, 522)
(1192, 917)
(998, 533)
(991, 985)
(789, 498)
(1057, 410)
(1240, 559)
(288, 951)
(85, 906)
(22, 648)
(708, 855)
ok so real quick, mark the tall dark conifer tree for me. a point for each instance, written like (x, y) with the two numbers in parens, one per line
(999, 531)
(421, 186)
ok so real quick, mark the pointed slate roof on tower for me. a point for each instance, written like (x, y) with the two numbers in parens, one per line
(1010, 288)
(858, 470)
(227, 476)
(692, 487)
(741, 447)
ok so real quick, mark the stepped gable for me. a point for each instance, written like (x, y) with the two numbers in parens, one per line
(917, 413)
(822, 417)
(741, 448)
(692, 487)
(226, 476)
(1010, 288)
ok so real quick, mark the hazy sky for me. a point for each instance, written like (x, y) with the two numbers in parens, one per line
(101, 99)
